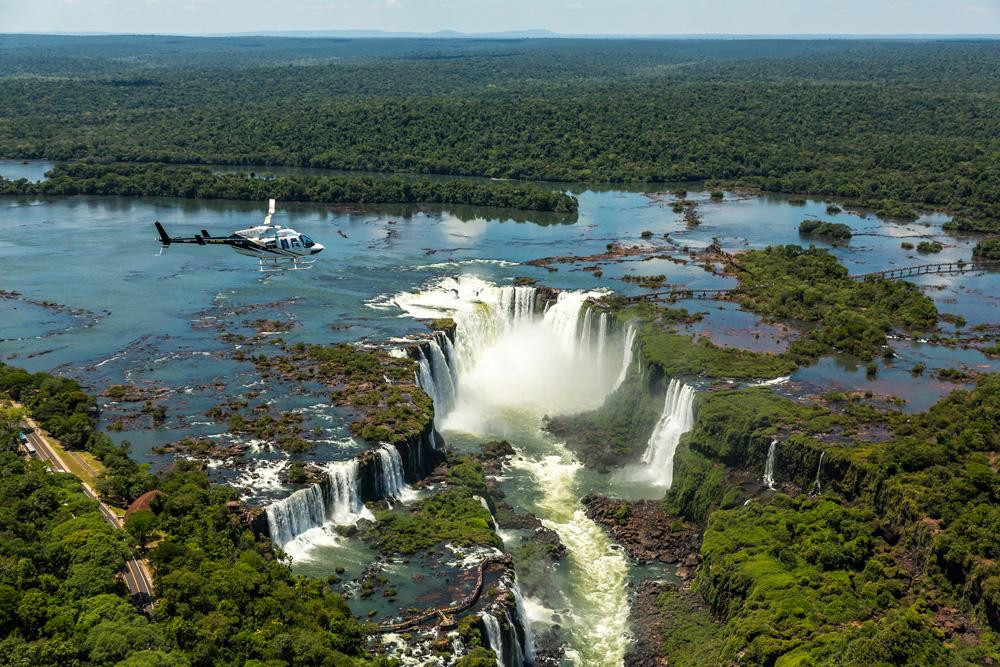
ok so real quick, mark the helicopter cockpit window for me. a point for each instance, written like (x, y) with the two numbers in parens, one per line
(295, 242)
(306, 241)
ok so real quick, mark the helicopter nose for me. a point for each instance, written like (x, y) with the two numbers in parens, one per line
(316, 249)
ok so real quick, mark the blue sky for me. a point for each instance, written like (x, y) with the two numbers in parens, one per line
(565, 16)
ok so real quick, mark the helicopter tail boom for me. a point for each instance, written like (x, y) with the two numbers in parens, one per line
(166, 239)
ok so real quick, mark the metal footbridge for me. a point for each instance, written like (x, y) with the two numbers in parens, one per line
(944, 268)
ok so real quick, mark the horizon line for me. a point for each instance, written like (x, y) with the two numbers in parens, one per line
(531, 33)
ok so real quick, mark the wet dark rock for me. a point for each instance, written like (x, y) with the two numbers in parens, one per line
(648, 619)
(646, 531)
(203, 448)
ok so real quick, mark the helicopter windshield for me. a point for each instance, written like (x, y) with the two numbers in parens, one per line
(306, 241)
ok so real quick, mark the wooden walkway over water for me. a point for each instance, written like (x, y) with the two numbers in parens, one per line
(443, 612)
(678, 293)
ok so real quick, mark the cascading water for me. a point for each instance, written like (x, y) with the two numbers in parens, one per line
(435, 374)
(816, 486)
(676, 420)
(493, 636)
(392, 479)
(297, 522)
(516, 649)
(513, 366)
(626, 356)
(294, 515)
(772, 453)
(602, 337)
(529, 639)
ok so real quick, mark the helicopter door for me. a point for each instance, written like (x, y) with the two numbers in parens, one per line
(295, 244)
(284, 244)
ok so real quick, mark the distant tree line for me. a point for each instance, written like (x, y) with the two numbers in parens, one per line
(888, 125)
(156, 180)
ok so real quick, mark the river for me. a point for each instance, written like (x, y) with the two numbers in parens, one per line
(129, 312)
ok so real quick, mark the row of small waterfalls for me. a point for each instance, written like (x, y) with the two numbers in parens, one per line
(515, 355)
(306, 518)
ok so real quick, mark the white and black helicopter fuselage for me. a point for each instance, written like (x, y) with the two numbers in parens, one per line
(276, 247)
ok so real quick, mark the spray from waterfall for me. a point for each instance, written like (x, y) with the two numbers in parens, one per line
(772, 453)
(676, 419)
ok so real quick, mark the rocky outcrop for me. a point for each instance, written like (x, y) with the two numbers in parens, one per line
(647, 533)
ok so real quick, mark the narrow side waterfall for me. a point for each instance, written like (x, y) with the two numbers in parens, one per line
(436, 375)
(493, 636)
(816, 486)
(517, 652)
(629, 350)
(772, 453)
(336, 501)
(529, 638)
(392, 479)
(676, 420)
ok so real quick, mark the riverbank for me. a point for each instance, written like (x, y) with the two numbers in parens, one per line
(159, 180)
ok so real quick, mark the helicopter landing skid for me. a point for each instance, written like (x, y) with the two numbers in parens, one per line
(276, 265)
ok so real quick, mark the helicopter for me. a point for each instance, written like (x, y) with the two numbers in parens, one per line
(276, 247)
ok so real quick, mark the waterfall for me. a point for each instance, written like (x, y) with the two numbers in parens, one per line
(449, 356)
(517, 302)
(602, 337)
(501, 341)
(515, 642)
(516, 363)
(294, 515)
(584, 348)
(424, 377)
(772, 452)
(529, 639)
(676, 420)
(563, 318)
(816, 486)
(391, 479)
(626, 356)
(435, 375)
(335, 500)
(493, 635)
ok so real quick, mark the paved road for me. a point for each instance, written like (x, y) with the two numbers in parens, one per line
(136, 575)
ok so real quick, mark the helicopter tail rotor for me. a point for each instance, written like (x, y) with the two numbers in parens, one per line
(164, 238)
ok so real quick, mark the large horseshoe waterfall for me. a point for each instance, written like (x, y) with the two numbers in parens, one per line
(514, 359)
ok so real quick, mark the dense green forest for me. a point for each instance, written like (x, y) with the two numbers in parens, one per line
(881, 122)
(223, 597)
(63, 409)
(154, 180)
(890, 559)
